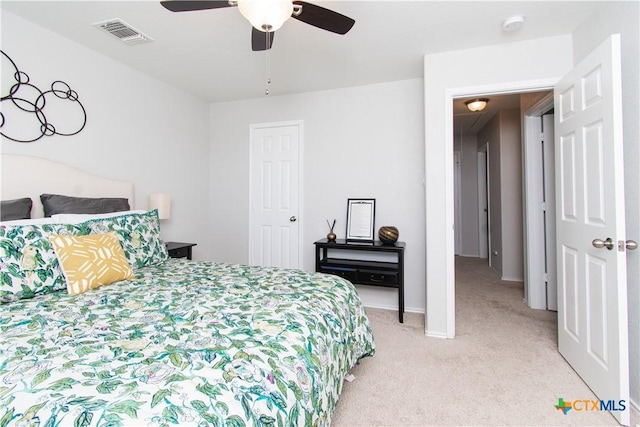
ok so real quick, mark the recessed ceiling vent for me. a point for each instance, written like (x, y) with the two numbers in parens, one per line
(123, 31)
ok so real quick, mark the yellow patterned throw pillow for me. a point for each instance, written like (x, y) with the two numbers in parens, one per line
(91, 261)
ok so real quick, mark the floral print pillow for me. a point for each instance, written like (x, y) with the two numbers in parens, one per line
(28, 262)
(139, 235)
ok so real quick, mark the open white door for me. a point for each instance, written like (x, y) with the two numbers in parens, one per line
(592, 283)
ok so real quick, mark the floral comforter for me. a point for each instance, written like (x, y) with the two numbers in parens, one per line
(185, 343)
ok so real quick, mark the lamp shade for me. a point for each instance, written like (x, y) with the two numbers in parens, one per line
(266, 15)
(478, 104)
(162, 202)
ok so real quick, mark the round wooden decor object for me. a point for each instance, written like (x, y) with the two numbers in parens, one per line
(388, 234)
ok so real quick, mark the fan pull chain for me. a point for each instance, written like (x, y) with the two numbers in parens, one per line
(267, 64)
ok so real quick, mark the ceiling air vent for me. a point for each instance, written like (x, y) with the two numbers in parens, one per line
(123, 31)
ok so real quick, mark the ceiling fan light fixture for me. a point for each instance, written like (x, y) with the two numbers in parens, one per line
(477, 104)
(266, 15)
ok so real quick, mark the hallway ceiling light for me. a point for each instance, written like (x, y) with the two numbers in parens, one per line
(477, 104)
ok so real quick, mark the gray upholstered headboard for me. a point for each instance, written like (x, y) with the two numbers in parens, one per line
(27, 176)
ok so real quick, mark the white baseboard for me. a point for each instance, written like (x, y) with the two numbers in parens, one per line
(381, 306)
(408, 310)
(395, 308)
(512, 279)
(495, 270)
(435, 335)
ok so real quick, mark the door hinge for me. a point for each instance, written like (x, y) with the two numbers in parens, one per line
(541, 137)
(543, 206)
(545, 277)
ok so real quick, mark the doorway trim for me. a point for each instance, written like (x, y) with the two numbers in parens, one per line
(458, 203)
(450, 94)
(534, 243)
(484, 240)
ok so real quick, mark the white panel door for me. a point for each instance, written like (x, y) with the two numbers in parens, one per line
(592, 284)
(275, 174)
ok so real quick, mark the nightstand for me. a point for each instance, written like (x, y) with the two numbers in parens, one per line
(179, 249)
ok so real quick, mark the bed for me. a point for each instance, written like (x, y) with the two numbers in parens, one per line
(178, 342)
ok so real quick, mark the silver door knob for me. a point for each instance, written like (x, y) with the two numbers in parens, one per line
(599, 243)
(293, 219)
(631, 245)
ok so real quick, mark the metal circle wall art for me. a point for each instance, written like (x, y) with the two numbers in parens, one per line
(28, 113)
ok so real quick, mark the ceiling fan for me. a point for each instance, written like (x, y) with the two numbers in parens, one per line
(266, 16)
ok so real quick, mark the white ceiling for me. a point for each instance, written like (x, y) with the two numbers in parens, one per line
(208, 53)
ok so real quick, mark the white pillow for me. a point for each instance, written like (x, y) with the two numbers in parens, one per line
(79, 218)
(32, 221)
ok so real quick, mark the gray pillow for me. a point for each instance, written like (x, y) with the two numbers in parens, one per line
(57, 204)
(11, 210)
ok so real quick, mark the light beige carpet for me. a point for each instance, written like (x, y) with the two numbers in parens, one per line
(503, 368)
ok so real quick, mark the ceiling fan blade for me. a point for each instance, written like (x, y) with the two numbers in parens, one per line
(261, 40)
(189, 5)
(323, 18)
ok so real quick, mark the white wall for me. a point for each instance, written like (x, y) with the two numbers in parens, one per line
(622, 18)
(138, 129)
(534, 63)
(363, 141)
(469, 195)
(511, 195)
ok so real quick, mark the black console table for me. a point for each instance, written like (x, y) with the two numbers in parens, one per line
(364, 272)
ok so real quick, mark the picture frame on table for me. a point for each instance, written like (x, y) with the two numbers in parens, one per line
(361, 218)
